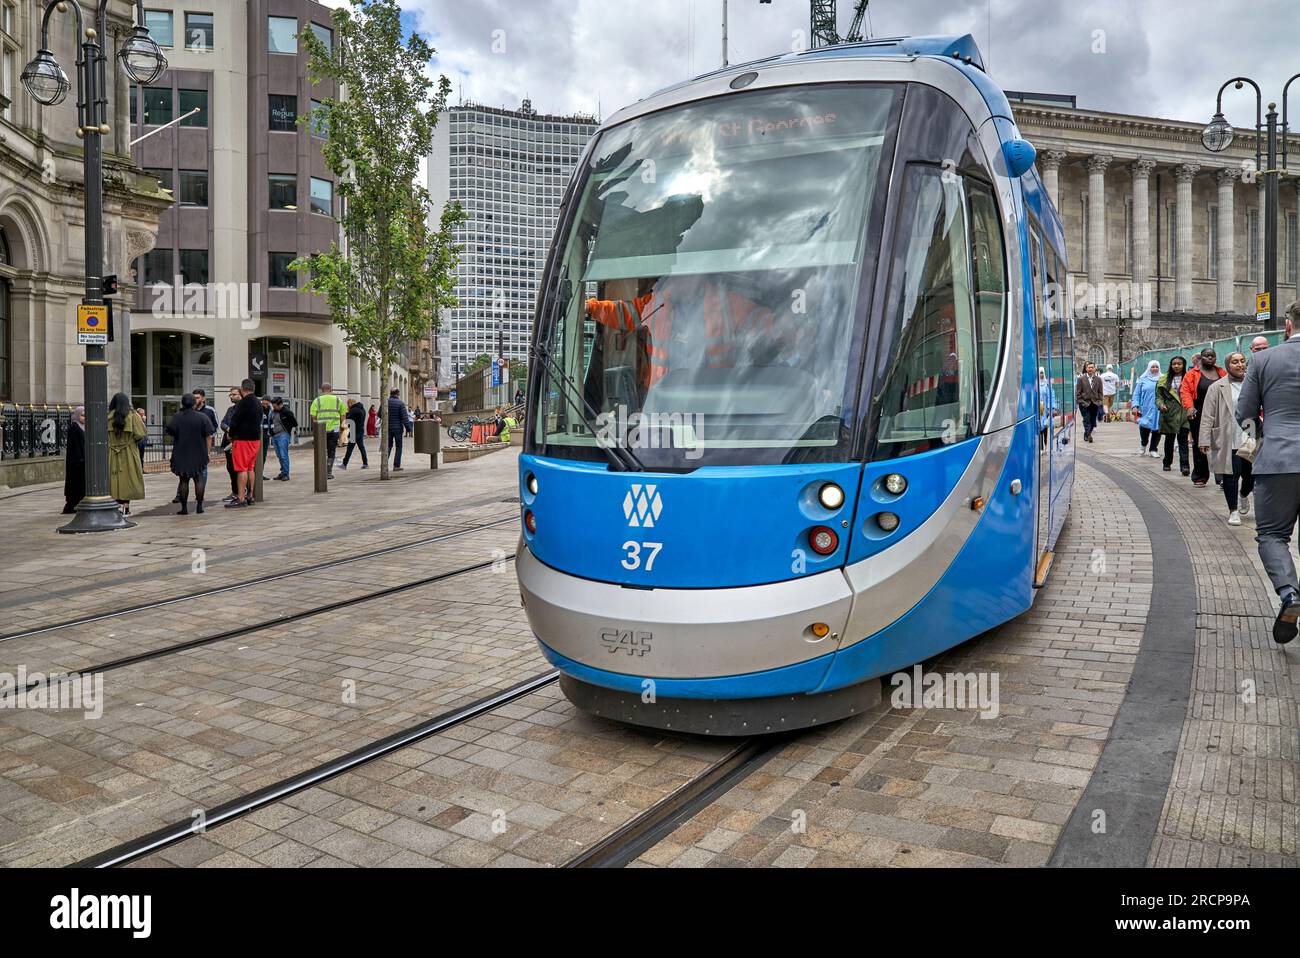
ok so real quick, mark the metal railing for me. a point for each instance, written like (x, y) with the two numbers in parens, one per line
(1129, 372)
(34, 430)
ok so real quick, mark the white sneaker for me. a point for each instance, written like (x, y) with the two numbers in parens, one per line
(1245, 505)
(1234, 519)
(1155, 455)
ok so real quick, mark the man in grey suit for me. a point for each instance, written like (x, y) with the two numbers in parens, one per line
(1273, 385)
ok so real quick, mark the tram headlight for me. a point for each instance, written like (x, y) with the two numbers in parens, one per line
(887, 521)
(531, 484)
(895, 484)
(823, 540)
(831, 496)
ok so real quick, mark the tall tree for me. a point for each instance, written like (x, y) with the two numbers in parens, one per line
(388, 283)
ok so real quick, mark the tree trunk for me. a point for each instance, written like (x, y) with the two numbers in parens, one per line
(384, 426)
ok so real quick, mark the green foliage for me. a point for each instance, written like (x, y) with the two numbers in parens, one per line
(392, 277)
(480, 361)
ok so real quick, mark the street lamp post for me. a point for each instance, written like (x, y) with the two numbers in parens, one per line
(48, 85)
(1218, 136)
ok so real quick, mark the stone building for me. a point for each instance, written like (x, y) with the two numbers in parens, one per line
(1159, 223)
(42, 222)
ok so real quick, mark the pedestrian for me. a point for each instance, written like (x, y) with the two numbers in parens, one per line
(1088, 393)
(125, 465)
(1144, 401)
(397, 416)
(1259, 344)
(74, 464)
(1109, 387)
(519, 395)
(191, 434)
(357, 433)
(283, 423)
(1173, 417)
(246, 442)
(201, 404)
(1273, 383)
(372, 423)
(1046, 407)
(328, 408)
(227, 443)
(1222, 435)
(1196, 384)
(143, 444)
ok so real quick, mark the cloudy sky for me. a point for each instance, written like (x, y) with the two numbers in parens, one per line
(1153, 57)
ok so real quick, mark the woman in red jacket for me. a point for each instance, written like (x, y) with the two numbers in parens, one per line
(1196, 384)
(372, 423)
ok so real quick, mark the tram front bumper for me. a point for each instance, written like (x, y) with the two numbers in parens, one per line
(746, 641)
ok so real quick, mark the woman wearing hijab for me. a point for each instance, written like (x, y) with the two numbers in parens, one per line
(1222, 436)
(1046, 406)
(1144, 401)
(125, 471)
(1196, 385)
(1173, 417)
(191, 433)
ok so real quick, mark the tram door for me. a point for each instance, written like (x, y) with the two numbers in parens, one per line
(1046, 415)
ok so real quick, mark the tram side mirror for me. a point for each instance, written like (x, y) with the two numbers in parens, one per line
(1020, 155)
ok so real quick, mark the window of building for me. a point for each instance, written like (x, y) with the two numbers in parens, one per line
(198, 31)
(193, 100)
(281, 276)
(322, 196)
(6, 369)
(133, 94)
(158, 267)
(317, 118)
(282, 34)
(283, 191)
(194, 266)
(164, 177)
(159, 25)
(157, 105)
(325, 35)
(194, 187)
(8, 59)
(1252, 228)
(284, 113)
(1212, 246)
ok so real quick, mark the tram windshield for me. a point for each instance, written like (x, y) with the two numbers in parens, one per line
(712, 271)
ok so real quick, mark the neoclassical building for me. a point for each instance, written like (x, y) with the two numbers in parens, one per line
(42, 223)
(1151, 214)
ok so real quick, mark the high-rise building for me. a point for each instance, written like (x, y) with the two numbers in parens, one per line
(217, 300)
(508, 169)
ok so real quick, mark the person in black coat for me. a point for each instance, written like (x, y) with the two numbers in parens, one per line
(191, 434)
(74, 470)
(357, 434)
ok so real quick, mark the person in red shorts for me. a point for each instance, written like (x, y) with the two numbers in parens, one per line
(246, 440)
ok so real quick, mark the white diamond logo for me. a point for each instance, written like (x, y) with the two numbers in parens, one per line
(642, 506)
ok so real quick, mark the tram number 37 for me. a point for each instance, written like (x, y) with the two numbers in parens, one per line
(634, 549)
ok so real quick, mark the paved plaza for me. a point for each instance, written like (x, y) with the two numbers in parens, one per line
(1145, 717)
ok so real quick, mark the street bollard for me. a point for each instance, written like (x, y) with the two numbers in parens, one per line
(428, 440)
(319, 463)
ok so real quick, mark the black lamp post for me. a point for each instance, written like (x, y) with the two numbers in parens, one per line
(1218, 136)
(48, 85)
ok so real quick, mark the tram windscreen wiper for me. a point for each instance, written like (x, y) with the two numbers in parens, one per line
(620, 459)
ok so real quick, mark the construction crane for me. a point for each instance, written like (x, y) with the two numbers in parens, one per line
(825, 23)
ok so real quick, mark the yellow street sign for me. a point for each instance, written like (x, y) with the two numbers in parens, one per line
(92, 325)
(1261, 303)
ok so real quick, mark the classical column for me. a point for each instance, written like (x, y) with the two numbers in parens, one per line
(354, 375)
(1049, 164)
(1142, 168)
(1183, 217)
(1097, 225)
(1227, 248)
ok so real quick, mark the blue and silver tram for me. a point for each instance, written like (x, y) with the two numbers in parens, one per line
(787, 431)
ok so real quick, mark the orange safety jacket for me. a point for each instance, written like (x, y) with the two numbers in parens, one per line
(726, 320)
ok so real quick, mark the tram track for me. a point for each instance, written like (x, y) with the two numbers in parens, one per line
(250, 583)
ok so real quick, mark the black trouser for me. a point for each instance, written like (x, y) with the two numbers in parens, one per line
(1181, 436)
(1150, 438)
(359, 444)
(331, 446)
(395, 437)
(230, 470)
(1090, 413)
(1200, 462)
(1243, 473)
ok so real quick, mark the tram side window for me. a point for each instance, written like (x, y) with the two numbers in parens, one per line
(1062, 337)
(990, 281)
(928, 399)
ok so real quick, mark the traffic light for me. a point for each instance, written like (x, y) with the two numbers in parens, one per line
(109, 287)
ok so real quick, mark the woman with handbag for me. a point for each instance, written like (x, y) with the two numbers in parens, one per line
(1222, 437)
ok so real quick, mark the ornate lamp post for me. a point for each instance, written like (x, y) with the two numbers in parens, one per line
(1218, 136)
(48, 85)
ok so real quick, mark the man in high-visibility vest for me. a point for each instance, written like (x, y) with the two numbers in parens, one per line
(329, 409)
(732, 323)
